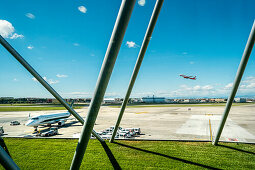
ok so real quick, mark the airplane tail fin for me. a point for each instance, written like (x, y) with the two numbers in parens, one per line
(72, 103)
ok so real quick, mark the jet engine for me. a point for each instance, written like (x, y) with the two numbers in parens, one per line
(61, 123)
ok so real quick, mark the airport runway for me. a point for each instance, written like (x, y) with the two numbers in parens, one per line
(159, 123)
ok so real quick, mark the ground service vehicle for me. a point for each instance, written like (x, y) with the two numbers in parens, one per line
(51, 132)
(130, 130)
(137, 131)
(15, 122)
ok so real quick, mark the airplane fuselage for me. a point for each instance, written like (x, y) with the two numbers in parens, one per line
(47, 119)
(188, 77)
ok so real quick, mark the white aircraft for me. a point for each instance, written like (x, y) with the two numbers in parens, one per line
(59, 118)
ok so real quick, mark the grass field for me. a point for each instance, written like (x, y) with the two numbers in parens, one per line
(184, 105)
(58, 154)
(31, 108)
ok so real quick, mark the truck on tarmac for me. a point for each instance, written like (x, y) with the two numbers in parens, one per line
(53, 131)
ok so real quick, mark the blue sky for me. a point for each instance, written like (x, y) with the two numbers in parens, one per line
(65, 41)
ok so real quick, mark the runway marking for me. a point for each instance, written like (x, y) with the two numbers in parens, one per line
(76, 135)
(210, 126)
(198, 125)
(141, 112)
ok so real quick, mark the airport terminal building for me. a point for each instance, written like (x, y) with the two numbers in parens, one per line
(154, 99)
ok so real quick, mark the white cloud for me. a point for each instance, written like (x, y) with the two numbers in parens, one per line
(29, 15)
(207, 87)
(80, 93)
(141, 2)
(37, 80)
(197, 88)
(193, 91)
(192, 62)
(242, 86)
(131, 44)
(229, 86)
(249, 79)
(248, 85)
(15, 36)
(76, 44)
(83, 9)
(251, 85)
(182, 91)
(7, 30)
(184, 53)
(15, 79)
(61, 76)
(50, 81)
(30, 47)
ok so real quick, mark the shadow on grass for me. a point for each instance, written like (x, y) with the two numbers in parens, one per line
(111, 157)
(240, 150)
(167, 156)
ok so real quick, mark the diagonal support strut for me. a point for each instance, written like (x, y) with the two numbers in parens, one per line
(29, 68)
(139, 61)
(239, 74)
(118, 33)
(7, 161)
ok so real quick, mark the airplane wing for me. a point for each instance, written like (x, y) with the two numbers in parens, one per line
(55, 121)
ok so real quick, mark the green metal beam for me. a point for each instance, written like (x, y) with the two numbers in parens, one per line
(139, 61)
(7, 161)
(239, 74)
(118, 33)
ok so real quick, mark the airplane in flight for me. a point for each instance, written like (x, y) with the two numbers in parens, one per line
(59, 118)
(189, 77)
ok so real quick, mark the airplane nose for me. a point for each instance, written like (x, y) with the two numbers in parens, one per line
(29, 123)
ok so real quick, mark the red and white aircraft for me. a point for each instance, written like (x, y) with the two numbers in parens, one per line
(188, 77)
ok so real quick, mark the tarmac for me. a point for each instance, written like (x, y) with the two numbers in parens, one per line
(156, 123)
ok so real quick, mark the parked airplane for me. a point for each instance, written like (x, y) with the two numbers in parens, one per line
(59, 118)
(188, 77)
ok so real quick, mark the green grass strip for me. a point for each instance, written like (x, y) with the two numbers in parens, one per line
(58, 154)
